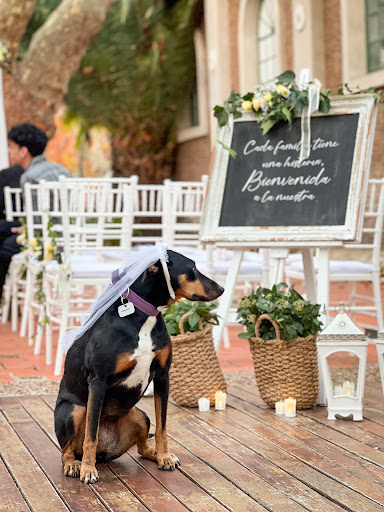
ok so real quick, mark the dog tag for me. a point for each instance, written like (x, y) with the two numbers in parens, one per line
(126, 309)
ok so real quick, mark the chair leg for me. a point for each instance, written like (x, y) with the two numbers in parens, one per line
(27, 304)
(14, 301)
(63, 330)
(377, 298)
(226, 341)
(7, 301)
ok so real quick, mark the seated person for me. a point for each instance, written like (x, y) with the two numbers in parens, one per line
(26, 144)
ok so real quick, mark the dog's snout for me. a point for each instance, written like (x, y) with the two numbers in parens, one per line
(220, 289)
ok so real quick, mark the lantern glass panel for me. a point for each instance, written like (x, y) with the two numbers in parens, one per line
(343, 369)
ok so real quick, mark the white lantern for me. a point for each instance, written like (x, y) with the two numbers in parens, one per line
(342, 349)
(380, 354)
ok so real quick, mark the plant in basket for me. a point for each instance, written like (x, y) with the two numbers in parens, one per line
(281, 328)
(195, 371)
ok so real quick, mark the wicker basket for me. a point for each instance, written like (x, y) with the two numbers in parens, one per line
(195, 370)
(285, 368)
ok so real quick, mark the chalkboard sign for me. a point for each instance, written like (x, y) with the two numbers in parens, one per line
(265, 193)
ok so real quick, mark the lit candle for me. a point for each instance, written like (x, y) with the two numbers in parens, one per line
(203, 404)
(290, 407)
(280, 407)
(220, 400)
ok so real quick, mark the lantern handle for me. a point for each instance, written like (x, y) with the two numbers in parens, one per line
(262, 317)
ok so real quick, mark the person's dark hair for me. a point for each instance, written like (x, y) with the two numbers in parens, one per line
(30, 136)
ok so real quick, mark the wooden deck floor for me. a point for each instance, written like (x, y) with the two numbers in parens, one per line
(242, 459)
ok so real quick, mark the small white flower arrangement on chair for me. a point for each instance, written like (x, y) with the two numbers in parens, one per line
(42, 253)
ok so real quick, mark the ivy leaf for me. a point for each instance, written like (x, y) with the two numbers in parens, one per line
(193, 320)
(287, 77)
(232, 152)
(235, 99)
(221, 115)
(267, 125)
(287, 113)
(325, 104)
(249, 96)
(244, 335)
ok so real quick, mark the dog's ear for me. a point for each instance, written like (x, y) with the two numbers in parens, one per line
(150, 272)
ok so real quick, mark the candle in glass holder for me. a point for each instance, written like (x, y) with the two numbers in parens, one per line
(203, 404)
(220, 400)
(280, 407)
(290, 407)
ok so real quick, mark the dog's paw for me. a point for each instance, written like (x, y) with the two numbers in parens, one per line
(168, 462)
(89, 474)
(72, 469)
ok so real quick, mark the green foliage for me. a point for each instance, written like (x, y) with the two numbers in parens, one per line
(271, 105)
(295, 316)
(140, 66)
(200, 309)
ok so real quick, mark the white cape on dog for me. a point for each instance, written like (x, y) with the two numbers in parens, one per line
(135, 266)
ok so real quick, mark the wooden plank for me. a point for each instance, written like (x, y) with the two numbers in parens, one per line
(322, 438)
(150, 492)
(11, 499)
(354, 429)
(278, 448)
(109, 490)
(177, 483)
(41, 496)
(264, 493)
(360, 475)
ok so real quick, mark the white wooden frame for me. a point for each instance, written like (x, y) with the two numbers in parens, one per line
(233, 236)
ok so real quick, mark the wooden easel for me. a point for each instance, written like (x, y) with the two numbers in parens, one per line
(316, 292)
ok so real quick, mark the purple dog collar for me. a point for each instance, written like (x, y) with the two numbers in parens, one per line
(137, 301)
(140, 303)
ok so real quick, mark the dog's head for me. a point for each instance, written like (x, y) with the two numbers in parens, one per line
(186, 281)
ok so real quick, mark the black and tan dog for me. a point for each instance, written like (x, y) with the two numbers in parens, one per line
(109, 367)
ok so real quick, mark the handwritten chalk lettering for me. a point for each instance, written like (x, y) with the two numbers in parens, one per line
(299, 197)
(256, 180)
(280, 146)
(324, 144)
(306, 163)
(272, 163)
(251, 146)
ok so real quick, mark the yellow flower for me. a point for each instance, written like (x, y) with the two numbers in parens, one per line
(33, 243)
(267, 97)
(49, 247)
(256, 104)
(246, 105)
(282, 90)
(48, 255)
(20, 239)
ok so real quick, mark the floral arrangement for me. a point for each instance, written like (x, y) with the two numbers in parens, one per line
(5, 57)
(271, 104)
(173, 314)
(295, 316)
(35, 246)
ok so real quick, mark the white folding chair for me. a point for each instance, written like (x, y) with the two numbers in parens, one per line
(97, 219)
(366, 267)
(13, 287)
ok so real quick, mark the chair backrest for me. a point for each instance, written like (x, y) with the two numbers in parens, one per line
(13, 199)
(183, 209)
(373, 221)
(97, 214)
(148, 226)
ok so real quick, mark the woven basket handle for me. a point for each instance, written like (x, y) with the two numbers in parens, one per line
(183, 319)
(273, 322)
